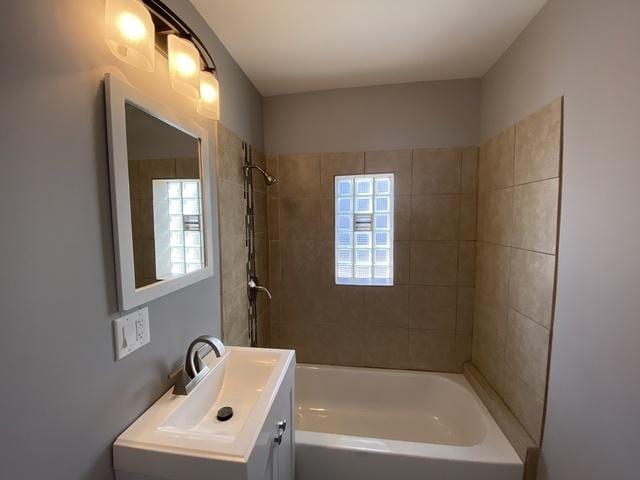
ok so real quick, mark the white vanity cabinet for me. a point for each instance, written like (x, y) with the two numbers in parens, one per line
(180, 438)
(273, 459)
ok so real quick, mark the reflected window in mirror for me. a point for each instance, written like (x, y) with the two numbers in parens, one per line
(176, 210)
(165, 186)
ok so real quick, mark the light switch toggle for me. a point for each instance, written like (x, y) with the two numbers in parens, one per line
(131, 332)
(129, 335)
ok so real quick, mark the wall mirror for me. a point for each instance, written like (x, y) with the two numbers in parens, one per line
(161, 199)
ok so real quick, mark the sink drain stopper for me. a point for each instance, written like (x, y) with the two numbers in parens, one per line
(225, 413)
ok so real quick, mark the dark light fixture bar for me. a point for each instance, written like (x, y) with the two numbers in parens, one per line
(166, 22)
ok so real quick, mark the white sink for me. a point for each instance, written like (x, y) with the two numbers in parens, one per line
(181, 437)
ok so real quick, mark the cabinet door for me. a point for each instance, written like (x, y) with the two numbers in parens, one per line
(285, 452)
(271, 459)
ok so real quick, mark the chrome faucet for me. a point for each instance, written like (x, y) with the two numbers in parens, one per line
(195, 369)
(258, 288)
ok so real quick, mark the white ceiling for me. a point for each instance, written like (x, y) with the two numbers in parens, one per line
(288, 46)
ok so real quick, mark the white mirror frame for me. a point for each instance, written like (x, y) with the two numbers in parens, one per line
(117, 93)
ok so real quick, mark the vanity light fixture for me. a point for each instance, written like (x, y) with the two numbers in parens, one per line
(130, 32)
(209, 103)
(132, 29)
(184, 66)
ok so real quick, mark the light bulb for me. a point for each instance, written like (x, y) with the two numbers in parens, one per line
(131, 27)
(130, 32)
(184, 66)
(209, 104)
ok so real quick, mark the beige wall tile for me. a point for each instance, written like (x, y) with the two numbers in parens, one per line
(299, 176)
(535, 216)
(234, 314)
(537, 144)
(386, 347)
(332, 164)
(434, 263)
(302, 262)
(326, 253)
(262, 265)
(464, 311)
(324, 343)
(187, 168)
(300, 218)
(143, 225)
(527, 351)
(432, 350)
(524, 403)
(468, 217)
(341, 304)
(308, 290)
(264, 329)
(492, 274)
(283, 336)
(463, 349)
(230, 159)
(148, 258)
(531, 284)
(259, 212)
(401, 262)
(151, 169)
(490, 324)
(133, 180)
(276, 300)
(397, 162)
(231, 208)
(432, 308)
(469, 170)
(496, 161)
(233, 262)
(466, 263)
(435, 217)
(273, 214)
(387, 306)
(490, 362)
(495, 216)
(326, 228)
(275, 268)
(402, 217)
(299, 303)
(242, 340)
(436, 170)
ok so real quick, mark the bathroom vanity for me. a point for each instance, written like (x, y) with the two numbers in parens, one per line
(184, 437)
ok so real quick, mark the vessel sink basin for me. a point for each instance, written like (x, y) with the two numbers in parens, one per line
(177, 427)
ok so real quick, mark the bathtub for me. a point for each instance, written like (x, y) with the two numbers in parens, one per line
(364, 423)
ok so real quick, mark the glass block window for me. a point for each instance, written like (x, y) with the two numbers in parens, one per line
(177, 227)
(364, 229)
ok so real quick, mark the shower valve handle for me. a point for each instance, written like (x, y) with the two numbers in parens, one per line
(255, 287)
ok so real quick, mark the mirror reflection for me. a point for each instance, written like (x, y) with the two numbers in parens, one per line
(165, 187)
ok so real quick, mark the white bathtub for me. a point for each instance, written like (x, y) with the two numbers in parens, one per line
(363, 423)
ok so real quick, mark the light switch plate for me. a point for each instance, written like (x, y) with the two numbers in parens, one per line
(131, 332)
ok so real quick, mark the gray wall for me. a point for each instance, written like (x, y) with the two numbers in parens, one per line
(587, 50)
(64, 397)
(411, 115)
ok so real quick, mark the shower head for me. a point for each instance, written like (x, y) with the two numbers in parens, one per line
(268, 178)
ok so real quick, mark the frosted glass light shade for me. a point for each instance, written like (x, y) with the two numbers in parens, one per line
(209, 103)
(184, 66)
(130, 33)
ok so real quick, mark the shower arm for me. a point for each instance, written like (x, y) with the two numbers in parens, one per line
(268, 178)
